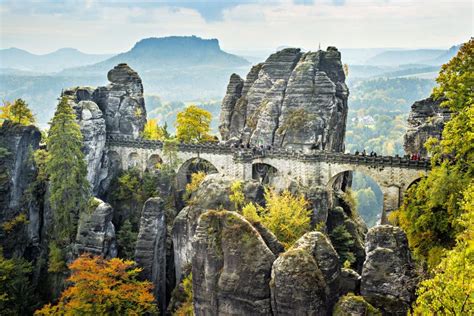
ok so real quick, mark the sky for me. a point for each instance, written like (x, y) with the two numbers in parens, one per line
(106, 26)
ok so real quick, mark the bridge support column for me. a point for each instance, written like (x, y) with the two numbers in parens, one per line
(391, 201)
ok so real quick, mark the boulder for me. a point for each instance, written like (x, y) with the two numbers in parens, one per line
(327, 259)
(96, 232)
(388, 278)
(213, 193)
(426, 119)
(231, 267)
(297, 285)
(349, 281)
(293, 99)
(352, 305)
(151, 250)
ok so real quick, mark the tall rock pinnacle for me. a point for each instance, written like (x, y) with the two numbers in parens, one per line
(293, 99)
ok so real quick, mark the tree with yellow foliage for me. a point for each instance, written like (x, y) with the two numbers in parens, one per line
(153, 131)
(286, 215)
(193, 125)
(103, 287)
(17, 112)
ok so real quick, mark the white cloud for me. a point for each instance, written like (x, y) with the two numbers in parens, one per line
(99, 26)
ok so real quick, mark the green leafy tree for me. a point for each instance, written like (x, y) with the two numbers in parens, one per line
(17, 112)
(67, 171)
(193, 125)
(451, 291)
(431, 211)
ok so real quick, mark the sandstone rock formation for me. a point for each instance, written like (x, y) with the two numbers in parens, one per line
(426, 120)
(388, 278)
(17, 199)
(293, 99)
(150, 250)
(327, 259)
(96, 232)
(118, 108)
(354, 306)
(349, 281)
(122, 102)
(297, 285)
(212, 194)
(231, 267)
(92, 123)
(18, 143)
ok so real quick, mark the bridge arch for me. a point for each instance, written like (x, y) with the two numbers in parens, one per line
(133, 160)
(370, 194)
(264, 172)
(153, 161)
(191, 166)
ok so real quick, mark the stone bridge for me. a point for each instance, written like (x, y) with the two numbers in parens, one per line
(393, 174)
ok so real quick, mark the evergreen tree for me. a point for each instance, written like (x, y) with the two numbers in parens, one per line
(67, 170)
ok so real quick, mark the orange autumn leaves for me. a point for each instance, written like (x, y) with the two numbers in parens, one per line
(103, 287)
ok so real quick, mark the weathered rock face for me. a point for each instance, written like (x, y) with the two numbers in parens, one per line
(231, 267)
(293, 99)
(212, 194)
(17, 173)
(16, 163)
(349, 281)
(96, 232)
(426, 119)
(122, 102)
(388, 278)
(150, 250)
(327, 259)
(92, 123)
(355, 306)
(297, 285)
(118, 108)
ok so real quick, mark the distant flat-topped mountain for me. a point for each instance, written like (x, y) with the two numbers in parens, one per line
(19, 59)
(169, 53)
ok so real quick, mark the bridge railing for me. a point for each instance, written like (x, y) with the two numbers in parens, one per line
(248, 154)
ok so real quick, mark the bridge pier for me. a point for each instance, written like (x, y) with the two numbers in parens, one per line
(392, 198)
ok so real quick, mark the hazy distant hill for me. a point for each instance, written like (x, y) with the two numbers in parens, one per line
(415, 56)
(175, 68)
(15, 58)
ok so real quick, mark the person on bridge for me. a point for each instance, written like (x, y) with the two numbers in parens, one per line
(364, 153)
(357, 153)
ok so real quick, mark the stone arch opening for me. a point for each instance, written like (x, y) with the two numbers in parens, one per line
(414, 183)
(264, 173)
(133, 160)
(114, 160)
(191, 166)
(153, 162)
(366, 191)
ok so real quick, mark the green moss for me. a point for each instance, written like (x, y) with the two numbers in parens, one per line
(350, 303)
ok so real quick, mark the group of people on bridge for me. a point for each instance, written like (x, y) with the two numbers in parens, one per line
(364, 153)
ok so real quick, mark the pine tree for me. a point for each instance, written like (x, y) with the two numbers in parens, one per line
(67, 170)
